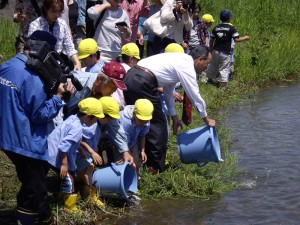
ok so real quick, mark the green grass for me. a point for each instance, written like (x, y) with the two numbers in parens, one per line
(8, 34)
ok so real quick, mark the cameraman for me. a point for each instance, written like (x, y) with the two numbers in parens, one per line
(176, 13)
(25, 111)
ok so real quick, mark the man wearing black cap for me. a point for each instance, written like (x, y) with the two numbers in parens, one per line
(25, 110)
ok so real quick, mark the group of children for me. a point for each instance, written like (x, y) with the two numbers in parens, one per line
(72, 146)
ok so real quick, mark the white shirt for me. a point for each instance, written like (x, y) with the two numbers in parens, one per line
(170, 68)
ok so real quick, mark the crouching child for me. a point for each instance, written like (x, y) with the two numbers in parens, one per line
(89, 156)
(63, 143)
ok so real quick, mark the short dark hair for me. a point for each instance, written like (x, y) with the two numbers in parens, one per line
(200, 51)
(52, 4)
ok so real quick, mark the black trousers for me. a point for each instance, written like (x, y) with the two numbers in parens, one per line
(141, 85)
(32, 175)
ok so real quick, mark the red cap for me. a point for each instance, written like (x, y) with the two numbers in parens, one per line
(116, 72)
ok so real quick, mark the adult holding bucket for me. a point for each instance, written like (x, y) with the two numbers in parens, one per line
(165, 70)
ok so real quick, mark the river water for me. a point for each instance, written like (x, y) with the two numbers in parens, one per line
(266, 131)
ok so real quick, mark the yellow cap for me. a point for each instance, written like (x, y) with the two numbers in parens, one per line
(87, 47)
(131, 49)
(143, 109)
(208, 18)
(91, 106)
(110, 107)
(174, 47)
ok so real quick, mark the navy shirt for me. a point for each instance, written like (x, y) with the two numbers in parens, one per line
(223, 33)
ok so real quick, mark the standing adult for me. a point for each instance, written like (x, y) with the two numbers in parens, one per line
(25, 110)
(108, 34)
(135, 10)
(165, 70)
(51, 22)
(177, 15)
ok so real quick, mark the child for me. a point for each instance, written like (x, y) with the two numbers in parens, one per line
(135, 119)
(63, 143)
(89, 157)
(89, 55)
(208, 19)
(220, 44)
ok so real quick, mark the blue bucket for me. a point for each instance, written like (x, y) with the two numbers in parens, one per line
(199, 145)
(116, 179)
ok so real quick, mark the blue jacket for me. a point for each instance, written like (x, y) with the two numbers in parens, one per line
(24, 110)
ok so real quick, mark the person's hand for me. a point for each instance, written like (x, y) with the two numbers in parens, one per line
(62, 88)
(178, 97)
(141, 39)
(178, 5)
(143, 157)
(184, 45)
(63, 171)
(176, 123)
(122, 29)
(127, 157)
(209, 122)
(77, 66)
(18, 17)
(97, 158)
(183, 11)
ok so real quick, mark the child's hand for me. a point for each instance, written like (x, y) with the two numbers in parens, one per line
(97, 158)
(143, 157)
(18, 17)
(63, 171)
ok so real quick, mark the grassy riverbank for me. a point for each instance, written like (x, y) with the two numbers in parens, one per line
(271, 55)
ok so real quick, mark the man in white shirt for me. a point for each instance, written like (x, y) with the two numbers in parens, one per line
(165, 70)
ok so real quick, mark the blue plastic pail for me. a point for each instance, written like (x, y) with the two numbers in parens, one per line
(116, 179)
(199, 145)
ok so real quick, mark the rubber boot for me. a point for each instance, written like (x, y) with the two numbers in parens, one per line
(70, 203)
(92, 193)
(25, 217)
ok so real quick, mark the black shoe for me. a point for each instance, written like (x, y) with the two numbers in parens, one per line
(211, 82)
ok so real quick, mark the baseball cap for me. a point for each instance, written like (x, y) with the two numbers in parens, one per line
(116, 72)
(208, 18)
(87, 47)
(40, 35)
(225, 15)
(143, 109)
(174, 47)
(91, 106)
(110, 107)
(131, 49)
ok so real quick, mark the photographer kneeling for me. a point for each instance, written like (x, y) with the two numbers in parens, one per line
(25, 111)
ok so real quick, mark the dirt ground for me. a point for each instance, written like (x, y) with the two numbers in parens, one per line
(8, 11)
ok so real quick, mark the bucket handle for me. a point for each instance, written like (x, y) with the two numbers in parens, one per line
(115, 169)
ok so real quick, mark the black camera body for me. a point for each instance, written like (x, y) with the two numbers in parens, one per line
(185, 4)
(50, 67)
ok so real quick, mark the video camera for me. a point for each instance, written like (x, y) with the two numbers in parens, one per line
(185, 4)
(50, 67)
